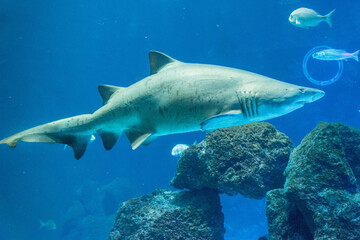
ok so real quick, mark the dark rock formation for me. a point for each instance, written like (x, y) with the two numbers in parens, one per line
(321, 185)
(166, 214)
(248, 159)
(285, 220)
(265, 237)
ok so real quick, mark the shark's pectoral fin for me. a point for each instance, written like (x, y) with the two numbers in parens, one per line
(108, 138)
(137, 137)
(106, 91)
(228, 119)
(149, 140)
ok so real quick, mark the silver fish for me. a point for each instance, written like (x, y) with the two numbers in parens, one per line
(305, 18)
(49, 225)
(335, 54)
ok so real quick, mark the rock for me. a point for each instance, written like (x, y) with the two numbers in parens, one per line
(265, 237)
(166, 214)
(321, 181)
(284, 219)
(247, 159)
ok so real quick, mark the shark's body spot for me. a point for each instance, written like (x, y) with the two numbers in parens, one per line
(161, 112)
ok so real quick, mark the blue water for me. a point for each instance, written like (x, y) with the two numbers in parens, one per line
(54, 54)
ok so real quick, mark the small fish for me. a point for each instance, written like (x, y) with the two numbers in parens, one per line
(179, 149)
(335, 54)
(92, 138)
(49, 225)
(305, 18)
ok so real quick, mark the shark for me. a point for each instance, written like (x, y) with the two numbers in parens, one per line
(176, 97)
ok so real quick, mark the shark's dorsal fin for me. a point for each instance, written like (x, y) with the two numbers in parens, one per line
(106, 91)
(158, 61)
(136, 137)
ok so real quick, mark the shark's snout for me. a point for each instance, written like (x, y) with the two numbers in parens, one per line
(310, 95)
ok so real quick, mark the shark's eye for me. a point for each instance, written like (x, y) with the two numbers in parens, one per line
(302, 90)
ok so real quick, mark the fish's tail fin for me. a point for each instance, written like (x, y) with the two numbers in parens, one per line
(74, 131)
(328, 17)
(356, 55)
(42, 224)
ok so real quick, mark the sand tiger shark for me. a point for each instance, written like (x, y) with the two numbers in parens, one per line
(177, 97)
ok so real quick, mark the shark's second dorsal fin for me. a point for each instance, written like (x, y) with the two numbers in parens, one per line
(106, 91)
(158, 60)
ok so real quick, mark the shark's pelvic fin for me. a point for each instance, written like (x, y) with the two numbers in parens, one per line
(109, 138)
(106, 91)
(136, 137)
(158, 61)
(226, 119)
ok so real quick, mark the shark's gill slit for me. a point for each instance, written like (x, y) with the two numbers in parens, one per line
(256, 106)
(248, 106)
(252, 106)
(242, 108)
(243, 102)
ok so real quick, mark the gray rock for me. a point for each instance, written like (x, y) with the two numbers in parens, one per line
(247, 159)
(285, 220)
(265, 237)
(166, 214)
(321, 181)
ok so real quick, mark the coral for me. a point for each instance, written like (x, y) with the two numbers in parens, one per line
(247, 159)
(166, 214)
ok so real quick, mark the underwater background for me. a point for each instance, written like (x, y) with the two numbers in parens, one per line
(54, 54)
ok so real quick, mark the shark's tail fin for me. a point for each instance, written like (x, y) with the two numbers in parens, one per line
(356, 55)
(74, 131)
(328, 17)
